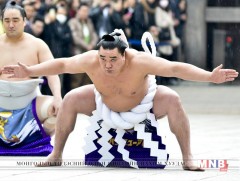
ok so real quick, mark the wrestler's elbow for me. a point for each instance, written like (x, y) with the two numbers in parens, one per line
(60, 66)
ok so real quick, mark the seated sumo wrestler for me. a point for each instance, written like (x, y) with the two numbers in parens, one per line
(25, 116)
(21, 131)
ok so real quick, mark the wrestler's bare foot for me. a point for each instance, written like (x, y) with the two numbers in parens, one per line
(191, 165)
(52, 160)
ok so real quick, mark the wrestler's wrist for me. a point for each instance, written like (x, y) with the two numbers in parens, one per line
(211, 77)
(57, 98)
(30, 73)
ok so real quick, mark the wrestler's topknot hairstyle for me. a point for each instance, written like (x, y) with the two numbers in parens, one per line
(111, 41)
(13, 5)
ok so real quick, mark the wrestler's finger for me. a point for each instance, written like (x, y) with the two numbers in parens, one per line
(230, 71)
(51, 110)
(219, 67)
(7, 72)
(11, 76)
(54, 111)
(232, 75)
(9, 67)
(229, 79)
(56, 108)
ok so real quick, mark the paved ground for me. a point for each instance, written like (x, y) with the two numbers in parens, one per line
(214, 112)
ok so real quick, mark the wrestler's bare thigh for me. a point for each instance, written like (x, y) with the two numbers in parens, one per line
(81, 100)
(163, 100)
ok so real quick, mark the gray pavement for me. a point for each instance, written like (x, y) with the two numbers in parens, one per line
(214, 113)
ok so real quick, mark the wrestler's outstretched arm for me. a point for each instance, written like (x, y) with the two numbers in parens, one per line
(185, 71)
(75, 64)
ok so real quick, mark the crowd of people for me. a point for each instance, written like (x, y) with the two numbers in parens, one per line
(70, 27)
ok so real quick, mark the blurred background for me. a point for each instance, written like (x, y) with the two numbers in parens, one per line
(204, 33)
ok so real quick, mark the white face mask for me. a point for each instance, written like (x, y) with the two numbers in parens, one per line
(164, 3)
(61, 18)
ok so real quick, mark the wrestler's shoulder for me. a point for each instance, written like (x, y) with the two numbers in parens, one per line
(32, 38)
(136, 55)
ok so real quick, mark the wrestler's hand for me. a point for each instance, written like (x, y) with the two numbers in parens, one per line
(220, 75)
(55, 106)
(17, 71)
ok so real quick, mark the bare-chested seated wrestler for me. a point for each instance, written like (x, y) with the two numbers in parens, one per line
(120, 75)
(20, 98)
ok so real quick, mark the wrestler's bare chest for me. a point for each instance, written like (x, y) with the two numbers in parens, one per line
(11, 54)
(121, 93)
(20, 52)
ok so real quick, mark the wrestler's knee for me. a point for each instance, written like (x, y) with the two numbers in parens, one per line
(174, 100)
(80, 100)
(166, 100)
(45, 108)
(44, 113)
(69, 100)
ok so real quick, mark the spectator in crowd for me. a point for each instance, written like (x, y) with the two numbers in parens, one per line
(144, 20)
(128, 14)
(82, 29)
(40, 7)
(165, 23)
(182, 5)
(116, 15)
(37, 27)
(100, 16)
(60, 41)
(84, 39)
(29, 8)
(73, 8)
(2, 5)
(176, 16)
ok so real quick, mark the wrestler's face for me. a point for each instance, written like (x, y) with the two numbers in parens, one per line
(13, 23)
(111, 61)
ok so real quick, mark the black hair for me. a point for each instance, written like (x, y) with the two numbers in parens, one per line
(38, 18)
(111, 41)
(83, 4)
(14, 5)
